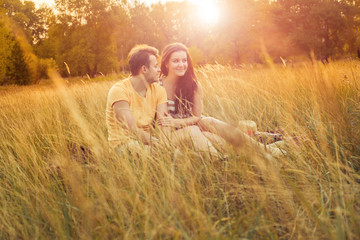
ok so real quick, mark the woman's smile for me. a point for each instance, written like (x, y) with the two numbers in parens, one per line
(178, 63)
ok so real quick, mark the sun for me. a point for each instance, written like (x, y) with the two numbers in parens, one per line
(208, 11)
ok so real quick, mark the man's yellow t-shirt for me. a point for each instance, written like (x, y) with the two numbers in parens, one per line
(142, 108)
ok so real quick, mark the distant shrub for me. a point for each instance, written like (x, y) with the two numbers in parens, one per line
(20, 66)
(17, 70)
(44, 64)
(197, 55)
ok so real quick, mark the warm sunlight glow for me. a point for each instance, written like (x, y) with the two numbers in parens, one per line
(208, 11)
(39, 3)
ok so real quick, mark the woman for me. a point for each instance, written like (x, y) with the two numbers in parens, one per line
(185, 93)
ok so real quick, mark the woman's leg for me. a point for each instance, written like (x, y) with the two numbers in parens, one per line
(231, 134)
(216, 140)
(193, 134)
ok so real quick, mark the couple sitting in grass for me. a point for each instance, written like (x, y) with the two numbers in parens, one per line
(174, 101)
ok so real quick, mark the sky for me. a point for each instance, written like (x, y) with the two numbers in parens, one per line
(207, 9)
(51, 2)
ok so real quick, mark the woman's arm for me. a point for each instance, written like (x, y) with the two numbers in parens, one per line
(198, 101)
(196, 111)
(183, 122)
(169, 121)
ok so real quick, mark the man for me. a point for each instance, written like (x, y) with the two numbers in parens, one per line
(133, 103)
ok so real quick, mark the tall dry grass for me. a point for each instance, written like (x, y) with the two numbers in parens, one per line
(52, 188)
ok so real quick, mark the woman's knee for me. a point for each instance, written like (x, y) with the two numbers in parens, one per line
(205, 123)
(192, 130)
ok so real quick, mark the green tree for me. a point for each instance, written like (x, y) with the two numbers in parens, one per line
(122, 33)
(19, 64)
(175, 21)
(84, 36)
(17, 70)
(236, 34)
(5, 42)
(25, 15)
(316, 25)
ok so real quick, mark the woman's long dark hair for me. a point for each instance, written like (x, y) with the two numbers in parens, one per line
(187, 84)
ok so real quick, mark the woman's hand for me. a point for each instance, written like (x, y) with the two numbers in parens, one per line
(168, 121)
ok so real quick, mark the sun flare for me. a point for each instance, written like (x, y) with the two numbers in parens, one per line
(208, 11)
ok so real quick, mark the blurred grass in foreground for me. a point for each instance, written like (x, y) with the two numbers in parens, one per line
(51, 188)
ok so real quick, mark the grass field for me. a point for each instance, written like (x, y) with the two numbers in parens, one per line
(51, 189)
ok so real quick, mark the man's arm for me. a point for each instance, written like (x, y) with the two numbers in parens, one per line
(161, 113)
(124, 115)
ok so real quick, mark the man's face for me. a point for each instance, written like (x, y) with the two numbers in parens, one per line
(153, 71)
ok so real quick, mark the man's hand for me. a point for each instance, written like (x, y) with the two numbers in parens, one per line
(167, 121)
(124, 115)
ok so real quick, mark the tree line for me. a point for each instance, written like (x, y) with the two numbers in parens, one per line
(90, 37)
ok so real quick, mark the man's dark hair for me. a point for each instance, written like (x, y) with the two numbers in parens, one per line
(139, 56)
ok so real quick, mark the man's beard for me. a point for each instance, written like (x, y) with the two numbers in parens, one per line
(152, 80)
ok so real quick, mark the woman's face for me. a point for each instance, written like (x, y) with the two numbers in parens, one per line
(177, 64)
